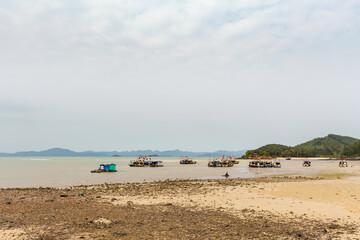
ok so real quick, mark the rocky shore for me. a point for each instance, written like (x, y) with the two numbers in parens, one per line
(161, 210)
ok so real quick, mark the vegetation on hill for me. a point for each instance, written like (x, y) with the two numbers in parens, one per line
(329, 146)
(272, 150)
(352, 151)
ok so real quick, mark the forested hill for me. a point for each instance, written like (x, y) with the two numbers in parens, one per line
(353, 150)
(268, 150)
(331, 145)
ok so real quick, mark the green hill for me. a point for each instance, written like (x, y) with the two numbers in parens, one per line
(352, 151)
(331, 145)
(268, 150)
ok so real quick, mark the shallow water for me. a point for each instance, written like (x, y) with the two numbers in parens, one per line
(70, 171)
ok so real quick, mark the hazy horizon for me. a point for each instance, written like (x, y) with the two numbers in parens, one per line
(191, 75)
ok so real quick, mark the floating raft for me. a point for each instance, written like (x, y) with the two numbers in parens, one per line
(264, 164)
(217, 163)
(105, 168)
(306, 164)
(187, 160)
(146, 164)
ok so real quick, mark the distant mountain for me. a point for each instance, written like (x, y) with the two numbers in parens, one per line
(59, 152)
(50, 152)
(331, 145)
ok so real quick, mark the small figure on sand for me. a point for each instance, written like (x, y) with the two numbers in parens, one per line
(226, 175)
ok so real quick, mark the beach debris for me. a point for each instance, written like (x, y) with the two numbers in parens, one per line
(102, 221)
(63, 195)
(117, 234)
(49, 200)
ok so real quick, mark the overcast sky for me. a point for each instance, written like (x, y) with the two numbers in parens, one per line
(198, 75)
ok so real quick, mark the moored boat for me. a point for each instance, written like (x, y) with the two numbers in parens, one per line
(220, 163)
(156, 164)
(140, 162)
(105, 168)
(145, 162)
(343, 163)
(187, 160)
(276, 164)
(264, 164)
(306, 163)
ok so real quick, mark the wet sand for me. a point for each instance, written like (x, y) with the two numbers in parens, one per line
(316, 207)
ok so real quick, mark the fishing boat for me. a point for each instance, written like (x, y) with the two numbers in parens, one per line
(145, 162)
(187, 160)
(156, 164)
(306, 163)
(140, 162)
(254, 164)
(343, 163)
(137, 163)
(233, 160)
(276, 164)
(220, 163)
(264, 164)
(105, 168)
(260, 164)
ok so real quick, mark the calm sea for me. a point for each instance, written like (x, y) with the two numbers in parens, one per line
(71, 171)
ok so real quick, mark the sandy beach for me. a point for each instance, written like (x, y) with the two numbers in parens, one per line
(321, 206)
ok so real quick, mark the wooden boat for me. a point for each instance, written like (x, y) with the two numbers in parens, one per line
(223, 162)
(105, 168)
(187, 160)
(343, 163)
(254, 164)
(140, 162)
(264, 164)
(145, 162)
(137, 164)
(220, 163)
(260, 164)
(276, 164)
(156, 164)
(306, 163)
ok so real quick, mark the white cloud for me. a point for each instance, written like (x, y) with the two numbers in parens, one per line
(191, 67)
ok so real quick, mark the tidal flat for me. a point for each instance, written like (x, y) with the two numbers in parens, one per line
(257, 208)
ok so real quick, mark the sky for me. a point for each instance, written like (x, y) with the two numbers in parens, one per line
(197, 75)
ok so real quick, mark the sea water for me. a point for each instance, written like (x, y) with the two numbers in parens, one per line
(19, 172)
